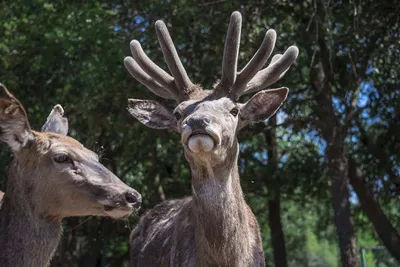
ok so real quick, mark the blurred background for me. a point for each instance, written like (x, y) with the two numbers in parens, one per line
(322, 176)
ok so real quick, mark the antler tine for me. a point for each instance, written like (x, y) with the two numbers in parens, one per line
(171, 57)
(255, 64)
(139, 74)
(278, 67)
(231, 52)
(152, 70)
(275, 58)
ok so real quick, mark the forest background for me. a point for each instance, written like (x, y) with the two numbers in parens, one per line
(322, 176)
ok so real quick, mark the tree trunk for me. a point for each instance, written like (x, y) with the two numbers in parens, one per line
(336, 156)
(277, 235)
(387, 233)
(337, 167)
(274, 204)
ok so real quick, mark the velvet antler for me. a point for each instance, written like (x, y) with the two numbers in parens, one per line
(233, 84)
(250, 78)
(178, 86)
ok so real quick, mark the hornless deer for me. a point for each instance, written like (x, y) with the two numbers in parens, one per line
(215, 226)
(51, 177)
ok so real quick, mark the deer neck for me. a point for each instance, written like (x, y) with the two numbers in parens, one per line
(219, 209)
(28, 238)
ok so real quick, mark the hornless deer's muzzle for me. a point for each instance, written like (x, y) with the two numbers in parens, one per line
(119, 200)
(134, 199)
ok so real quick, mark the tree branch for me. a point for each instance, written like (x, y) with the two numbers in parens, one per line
(387, 233)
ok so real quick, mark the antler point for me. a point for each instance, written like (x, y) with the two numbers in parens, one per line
(294, 50)
(159, 24)
(129, 60)
(236, 15)
(271, 32)
(134, 42)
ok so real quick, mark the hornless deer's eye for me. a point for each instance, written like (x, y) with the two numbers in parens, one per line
(62, 158)
(177, 116)
(235, 111)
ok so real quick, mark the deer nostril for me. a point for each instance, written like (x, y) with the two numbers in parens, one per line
(198, 122)
(134, 199)
(206, 120)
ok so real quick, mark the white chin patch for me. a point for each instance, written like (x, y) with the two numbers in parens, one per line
(201, 143)
(118, 213)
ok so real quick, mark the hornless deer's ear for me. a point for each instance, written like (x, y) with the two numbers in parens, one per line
(56, 122)
(14, 125)
(152, 114)
(262, 105)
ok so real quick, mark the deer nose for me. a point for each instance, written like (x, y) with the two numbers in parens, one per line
(198, 122)
(134, 199)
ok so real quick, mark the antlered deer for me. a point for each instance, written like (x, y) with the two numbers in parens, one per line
(51, 177)
(215, 226)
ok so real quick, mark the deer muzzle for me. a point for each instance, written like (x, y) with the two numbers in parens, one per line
(116, 199)
(121, 206)
(200, 140)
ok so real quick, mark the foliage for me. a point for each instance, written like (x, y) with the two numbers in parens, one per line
(71, 52)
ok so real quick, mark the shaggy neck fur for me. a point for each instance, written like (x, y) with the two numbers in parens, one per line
(28, 237)
(222, 230)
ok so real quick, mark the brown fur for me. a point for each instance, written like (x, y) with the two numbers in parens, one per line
(208, 229)
(215, 226)
(43, 188)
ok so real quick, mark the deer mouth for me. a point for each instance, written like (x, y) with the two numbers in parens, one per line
(200, 140)
(118, 212)
(118, 201)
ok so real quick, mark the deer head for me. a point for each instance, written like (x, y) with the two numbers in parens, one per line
(54, 173)
(208, 120)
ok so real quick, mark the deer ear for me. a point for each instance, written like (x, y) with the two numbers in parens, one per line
(56, 122)
(262, 105)
(14, 125)
(152, 114)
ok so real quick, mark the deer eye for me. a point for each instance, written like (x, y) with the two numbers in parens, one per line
(177, 116)
(234, 111)
(62, 158)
